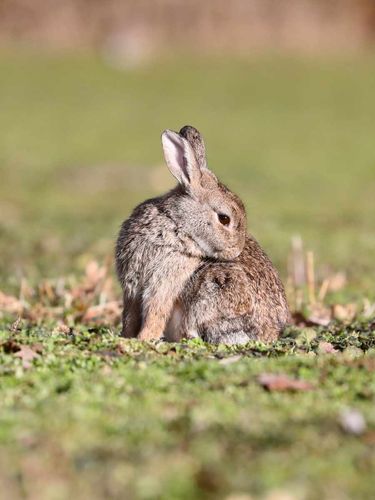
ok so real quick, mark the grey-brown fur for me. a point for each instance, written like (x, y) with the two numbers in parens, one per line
(183, 272)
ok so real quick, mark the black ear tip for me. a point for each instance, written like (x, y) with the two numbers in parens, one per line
(194, 138)
(189, 132)
(185, 129)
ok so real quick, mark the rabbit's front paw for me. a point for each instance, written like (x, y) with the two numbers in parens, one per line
(148, 334)
(192, 334)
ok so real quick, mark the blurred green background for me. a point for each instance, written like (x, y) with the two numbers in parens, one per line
(80, 146)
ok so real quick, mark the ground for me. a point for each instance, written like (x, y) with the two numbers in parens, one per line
(97, 417)
(87, 414)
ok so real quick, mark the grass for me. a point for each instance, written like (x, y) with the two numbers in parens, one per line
(94, 416)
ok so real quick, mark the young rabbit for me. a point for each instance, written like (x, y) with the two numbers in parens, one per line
(188, 267)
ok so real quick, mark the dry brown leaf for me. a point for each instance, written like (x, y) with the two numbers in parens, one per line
(326, 348)
(47, 292)
(93, 298)
(26, 291)
(337, 282)
(39, 311)
(10, 304)
(109, 312)
(27, 354)
(94, 275)
(344, 312)
(94, 272)
(280, 382)
(319, 315)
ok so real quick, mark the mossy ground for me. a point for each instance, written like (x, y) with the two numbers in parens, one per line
(95, 416)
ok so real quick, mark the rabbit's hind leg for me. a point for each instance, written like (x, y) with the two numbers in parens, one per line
(219, 307)
(231, 331)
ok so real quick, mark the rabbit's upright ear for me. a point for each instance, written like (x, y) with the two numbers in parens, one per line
(195, 139)
(181, 159)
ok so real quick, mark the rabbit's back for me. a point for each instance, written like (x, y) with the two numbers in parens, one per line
(137, 244)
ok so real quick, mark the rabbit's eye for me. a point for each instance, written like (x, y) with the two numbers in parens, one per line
(224, 219)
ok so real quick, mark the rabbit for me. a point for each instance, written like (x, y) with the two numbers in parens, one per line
(186, 264)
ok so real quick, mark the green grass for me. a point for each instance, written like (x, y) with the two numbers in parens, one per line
(99, 417)
(94, 416)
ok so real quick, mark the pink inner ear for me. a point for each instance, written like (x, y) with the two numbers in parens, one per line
(175, 156)
(180, 157)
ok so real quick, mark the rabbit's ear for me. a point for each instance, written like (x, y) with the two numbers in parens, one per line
(195, 139)
(180, 159)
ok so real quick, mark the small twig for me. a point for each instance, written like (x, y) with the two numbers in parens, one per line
(297, 270)
(323, 290)
(298, 263)
(310, 272)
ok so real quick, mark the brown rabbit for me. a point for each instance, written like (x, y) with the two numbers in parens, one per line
(188, 267)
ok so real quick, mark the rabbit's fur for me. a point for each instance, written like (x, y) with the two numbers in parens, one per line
(188, 267)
